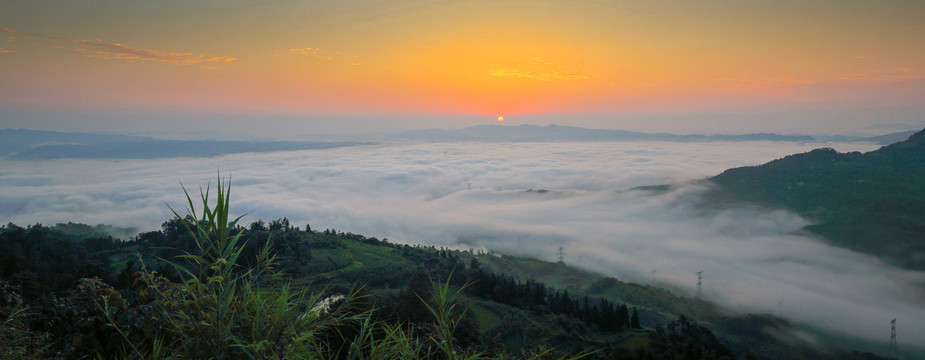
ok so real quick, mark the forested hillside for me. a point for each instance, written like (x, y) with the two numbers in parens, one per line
(205, 287)
(872, 202)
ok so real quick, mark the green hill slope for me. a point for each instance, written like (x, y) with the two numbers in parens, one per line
(872, 202)
(515, 303)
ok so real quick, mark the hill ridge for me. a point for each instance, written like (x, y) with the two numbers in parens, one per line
(870, 202)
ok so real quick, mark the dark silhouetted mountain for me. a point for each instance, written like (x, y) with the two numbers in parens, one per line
(571, 133)
(872, 202)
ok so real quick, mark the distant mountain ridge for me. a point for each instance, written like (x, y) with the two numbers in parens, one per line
(22, 144)
(155, 149)
(890, 138)
(16, 140)
(872, 202)
(554, 132)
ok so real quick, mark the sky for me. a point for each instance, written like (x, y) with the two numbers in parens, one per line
(286, 68)
(473, 195)
(279, 68)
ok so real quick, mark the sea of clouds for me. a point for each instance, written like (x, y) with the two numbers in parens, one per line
(472, 194)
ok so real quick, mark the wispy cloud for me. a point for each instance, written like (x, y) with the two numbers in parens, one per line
(2, 50)
(324, 54)
(115, 51)
(885, 76)
(541, 70)
(99, 49)
(541, 76)
(312, 52)
(308, 51)
(6, 34)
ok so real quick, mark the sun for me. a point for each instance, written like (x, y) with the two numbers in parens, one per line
(500, 118)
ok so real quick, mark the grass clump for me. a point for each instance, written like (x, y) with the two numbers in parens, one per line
(17, 341)
(206, 304)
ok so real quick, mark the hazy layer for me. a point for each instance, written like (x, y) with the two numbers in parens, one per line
(421, 194)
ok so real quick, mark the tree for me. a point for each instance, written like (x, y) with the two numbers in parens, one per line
(634, 320)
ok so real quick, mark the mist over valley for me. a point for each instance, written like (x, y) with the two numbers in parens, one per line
(513, 179)
(596, 200)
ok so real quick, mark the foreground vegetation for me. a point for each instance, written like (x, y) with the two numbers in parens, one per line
(205, 287)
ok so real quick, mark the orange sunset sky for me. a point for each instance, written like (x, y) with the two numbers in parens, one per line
(330, 66)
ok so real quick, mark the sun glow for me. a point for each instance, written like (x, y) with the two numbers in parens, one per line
(500, 118)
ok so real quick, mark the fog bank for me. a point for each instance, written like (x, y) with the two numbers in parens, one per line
(474, 194)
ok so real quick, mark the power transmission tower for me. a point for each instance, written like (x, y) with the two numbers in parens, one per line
(893, 347)
(561, 255)
(699, 284)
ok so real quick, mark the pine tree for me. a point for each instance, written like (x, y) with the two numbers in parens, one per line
(634, 320)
